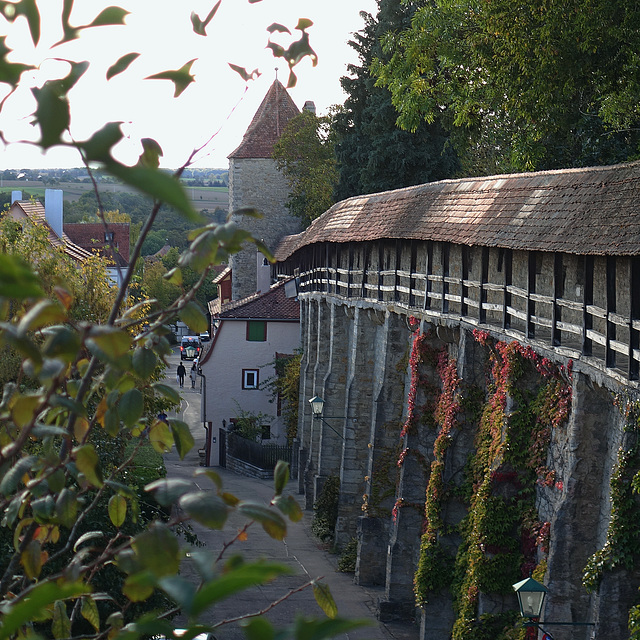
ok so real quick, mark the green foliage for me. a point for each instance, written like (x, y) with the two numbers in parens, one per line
(305, 155)
(325, 510)
(347, 560)
(88, 551)
(285, 387)
(543, 86)
(373, 153)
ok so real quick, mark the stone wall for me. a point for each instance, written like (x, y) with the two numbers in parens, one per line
(257, 183)
(356, 356)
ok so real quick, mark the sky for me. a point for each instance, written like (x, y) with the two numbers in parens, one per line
(218, 104)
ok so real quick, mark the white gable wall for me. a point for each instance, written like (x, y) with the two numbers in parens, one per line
(232, 352)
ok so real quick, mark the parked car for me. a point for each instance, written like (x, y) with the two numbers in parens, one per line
(204, 337)
(190, 348)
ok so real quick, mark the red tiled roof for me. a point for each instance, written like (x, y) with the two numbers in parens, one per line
(582, 211)
(91, 236)
(268, 123)
(272, 305)
(34, 211)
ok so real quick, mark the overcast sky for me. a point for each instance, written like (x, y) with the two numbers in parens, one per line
(160, 30)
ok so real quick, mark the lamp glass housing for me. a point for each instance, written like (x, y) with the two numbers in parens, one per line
(530, 597)
(317, 405)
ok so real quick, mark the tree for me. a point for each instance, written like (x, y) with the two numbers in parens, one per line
(70, 439)
(373, 153)
(533, 85)
(305, 155)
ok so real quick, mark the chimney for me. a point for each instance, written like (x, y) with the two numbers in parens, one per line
(53, 209)
(16, 195)
(310, 105)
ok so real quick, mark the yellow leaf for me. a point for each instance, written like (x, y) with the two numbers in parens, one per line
(160, 437)
(101, 409)
(80, 428)
(89, 611)
(243, 536)
(31, 559)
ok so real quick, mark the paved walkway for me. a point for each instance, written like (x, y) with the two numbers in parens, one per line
(300, 552)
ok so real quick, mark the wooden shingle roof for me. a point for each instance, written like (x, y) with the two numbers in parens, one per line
(582, 211)
(268, 123)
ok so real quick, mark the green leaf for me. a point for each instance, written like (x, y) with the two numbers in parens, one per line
(131, 407)
(27, 8)
(180, 590)
(108, 17)
(90, 535)
(43, 313)
(211, 474)
(174, 276)
(151, 153)
(168, 490)
(193, 316)
(61, 342)
(281, 476)
(272, 522)
(61, 625)
(144, 362)
(66, 508)
(234, 580)
(158, 550)
(87, 462)
(181, 77)
(109, 341)
(258, 629)
(17, 614)
(31, 559)
(325, 600)
(289, 506)
(157, 184)
(89, 611)
(206, 508)
(122, 64)
(43, 509)
(160, 436)
(244, 74)
(167, 392)
(98, 147)
(182, 437)
(13, 477)
(17, 280)
(117, 510)
(199, 26)
(139, 587)
(52, 113)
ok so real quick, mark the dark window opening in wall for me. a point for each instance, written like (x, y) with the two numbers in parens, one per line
(538, 264)
(500, 260)
(265, 431)
(250, 378)
(256, 330)
(108, 236)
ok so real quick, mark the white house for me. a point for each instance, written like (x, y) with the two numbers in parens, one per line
(248, 334)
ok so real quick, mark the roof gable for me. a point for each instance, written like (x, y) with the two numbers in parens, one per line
(271, 118)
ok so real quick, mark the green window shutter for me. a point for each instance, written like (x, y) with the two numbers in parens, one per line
(256, 330)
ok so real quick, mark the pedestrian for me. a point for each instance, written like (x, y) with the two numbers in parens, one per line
(181, 374)
(192, 374)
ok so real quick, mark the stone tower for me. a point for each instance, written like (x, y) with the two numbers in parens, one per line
(254, 181)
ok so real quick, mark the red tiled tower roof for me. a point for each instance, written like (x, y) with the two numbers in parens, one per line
(268, 123)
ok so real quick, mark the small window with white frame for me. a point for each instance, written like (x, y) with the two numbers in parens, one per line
(250, 378)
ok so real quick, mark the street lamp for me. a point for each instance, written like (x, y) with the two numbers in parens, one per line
(530, 597)
(317, 405)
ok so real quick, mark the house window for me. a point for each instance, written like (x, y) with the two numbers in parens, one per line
(108, 236)
(265, 431)
(250, 378)
(256, 330)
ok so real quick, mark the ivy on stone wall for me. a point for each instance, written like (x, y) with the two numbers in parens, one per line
(526, 397)
(621, 548)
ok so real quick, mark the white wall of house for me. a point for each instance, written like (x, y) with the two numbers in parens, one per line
(232, 358)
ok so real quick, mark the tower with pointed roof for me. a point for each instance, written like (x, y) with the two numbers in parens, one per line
(254, 181)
